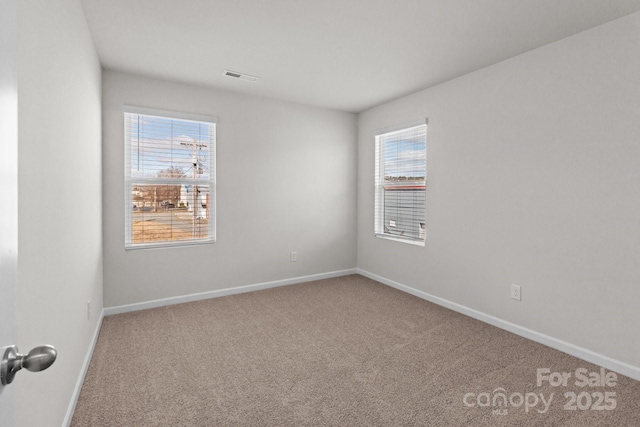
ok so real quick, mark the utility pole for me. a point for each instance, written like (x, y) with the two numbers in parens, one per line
(197, 170)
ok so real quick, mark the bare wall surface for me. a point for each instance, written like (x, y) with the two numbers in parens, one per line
(59, 202)
(533, 179)
(286, 181)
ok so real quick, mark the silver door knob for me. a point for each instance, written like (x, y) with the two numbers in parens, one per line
(38, 359)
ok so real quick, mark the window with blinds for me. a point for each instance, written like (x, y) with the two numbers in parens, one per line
(170, 188)
(401, 183)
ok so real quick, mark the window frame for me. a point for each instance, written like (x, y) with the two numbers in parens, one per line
(379, 184)
(130, 181)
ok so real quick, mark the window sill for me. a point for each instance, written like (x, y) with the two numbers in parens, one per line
(401, 240)
(177, 244)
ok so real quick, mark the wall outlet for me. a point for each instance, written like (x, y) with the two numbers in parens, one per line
(294, 256)
(516, 292)
(88, 309)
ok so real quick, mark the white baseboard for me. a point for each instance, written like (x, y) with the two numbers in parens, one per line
(83, 373)
(108, 311)
(574, 350)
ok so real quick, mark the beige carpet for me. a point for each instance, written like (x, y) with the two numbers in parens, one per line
(339, 352)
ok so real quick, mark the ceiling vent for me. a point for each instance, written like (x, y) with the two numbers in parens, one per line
(241, 76)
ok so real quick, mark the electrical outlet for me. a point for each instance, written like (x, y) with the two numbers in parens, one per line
(294, 256)
(88, 309)
(516, 292)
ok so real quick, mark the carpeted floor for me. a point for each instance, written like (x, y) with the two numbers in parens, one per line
(339, 352)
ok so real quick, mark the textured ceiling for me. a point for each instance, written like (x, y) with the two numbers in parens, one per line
(348, 55)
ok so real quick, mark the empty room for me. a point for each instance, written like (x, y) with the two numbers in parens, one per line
(320, 213)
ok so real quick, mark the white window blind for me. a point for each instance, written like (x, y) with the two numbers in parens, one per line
(401, 182)
(169, 179)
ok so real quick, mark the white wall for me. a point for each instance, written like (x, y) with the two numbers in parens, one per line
(534, 179)
(286, 181)
(59, 208)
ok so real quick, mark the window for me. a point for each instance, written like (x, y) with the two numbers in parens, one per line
(401, 182)
(170, 188)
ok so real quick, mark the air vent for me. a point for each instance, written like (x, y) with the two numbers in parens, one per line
(241, 76)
